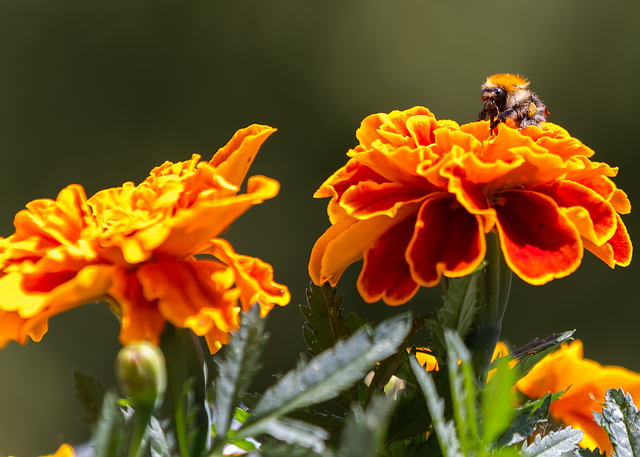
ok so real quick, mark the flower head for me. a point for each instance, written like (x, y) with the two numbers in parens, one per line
(138, 248)
(587, 382)
(418, 195)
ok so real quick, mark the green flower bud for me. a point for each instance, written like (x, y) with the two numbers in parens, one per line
(142, 374)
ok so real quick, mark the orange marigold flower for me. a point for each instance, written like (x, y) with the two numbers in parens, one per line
(586, 381)
(136, 247)
(418, 195)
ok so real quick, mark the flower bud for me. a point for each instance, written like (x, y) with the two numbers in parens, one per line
(142, 374)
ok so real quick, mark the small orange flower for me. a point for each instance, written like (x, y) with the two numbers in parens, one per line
(136, 247)
(418, 195)
(587, 382)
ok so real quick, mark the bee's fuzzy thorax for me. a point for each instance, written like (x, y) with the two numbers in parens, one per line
(508, 81)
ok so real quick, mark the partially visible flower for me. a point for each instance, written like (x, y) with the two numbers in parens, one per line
(63, 451)
(418, 195)
(138, 247)
(586, 381)
(430, 363)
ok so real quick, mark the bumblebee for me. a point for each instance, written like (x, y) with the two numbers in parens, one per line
(507, 96)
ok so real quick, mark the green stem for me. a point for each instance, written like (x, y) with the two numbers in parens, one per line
(141, 419)
(495, 293)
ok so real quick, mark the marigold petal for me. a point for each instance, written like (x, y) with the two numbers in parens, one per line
(192, 229)
(592, 215)
(447, 240)
(11, 325)
(140, 318)
(351, 174)
(392, 127)
(253, 277)
(345, 242)
(234, 159)
(618, 249)
(368, 199)
(191, 293)
(386, 274)
(539, 242)
(399, 165)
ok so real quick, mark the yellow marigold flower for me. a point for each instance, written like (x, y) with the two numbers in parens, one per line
(418, 195)
(136, 247)
(587, 382)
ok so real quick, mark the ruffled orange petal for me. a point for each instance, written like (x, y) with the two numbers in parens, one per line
(608, 190)
(351, 174)
(447, 240)
(63, 451)
(538, 241)
(618, 249)
(344, 243)
(392, 128)
(592, 215)
(233, 160)
(192, 294)
(368, 199)
(386, 274)
(253, 277)
(140, 318)
(399, 165)
(192, 229)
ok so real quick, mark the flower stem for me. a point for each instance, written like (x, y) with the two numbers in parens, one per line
(495, 293)
(140, 421)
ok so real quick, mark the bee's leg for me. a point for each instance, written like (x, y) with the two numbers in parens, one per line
(502, 116)
(482, 114)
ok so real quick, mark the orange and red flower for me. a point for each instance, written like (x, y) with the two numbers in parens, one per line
(136, 246)
(587, 382)
(418, 195)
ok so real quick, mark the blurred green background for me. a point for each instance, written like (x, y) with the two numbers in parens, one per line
(98, 93)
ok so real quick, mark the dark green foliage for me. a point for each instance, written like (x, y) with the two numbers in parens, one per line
(555, 444)
(110, 435)
(90, 392)
(525, 423)
(461, 304)
(158, 442)
(528, 358)
(621, 420)
(581, 452)
(365, 430)
(325, 326)
(238, 368)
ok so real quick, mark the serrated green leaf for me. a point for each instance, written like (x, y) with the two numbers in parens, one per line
(158, 440)
(90, 392)
(243, 444)
(525, 423)
(334, 370)
(461, 304)
(237, 369)
(286, 450)
(110, 433)
(411, 416)
(241, 415)
(463, 392)
(554, 444)
(324, 324)
(365, 430)
(621, 420)
(497, 404)
(388, 367)
(296, 432)
(581, 452)
(530, 359)
(449, 443)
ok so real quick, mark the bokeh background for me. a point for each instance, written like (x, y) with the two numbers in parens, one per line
(98, 93)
